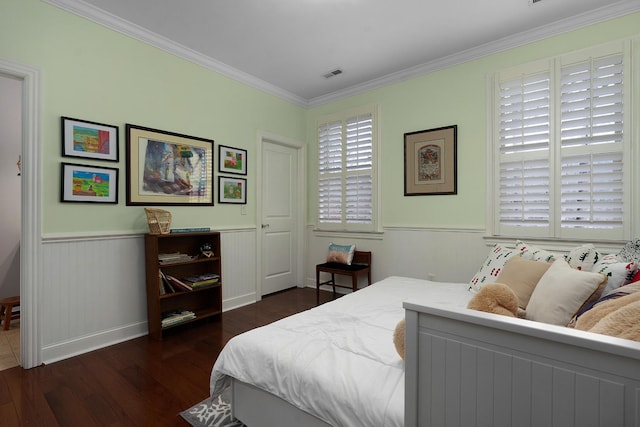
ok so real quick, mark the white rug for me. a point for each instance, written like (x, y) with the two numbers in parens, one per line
(211, 412)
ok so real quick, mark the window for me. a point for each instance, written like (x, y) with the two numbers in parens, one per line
(561, 150)
(347, 171)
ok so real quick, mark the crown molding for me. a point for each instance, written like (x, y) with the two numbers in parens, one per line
(113, 22)
(106, 19)
(617, 10)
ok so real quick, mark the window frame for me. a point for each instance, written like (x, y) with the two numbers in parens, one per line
(344, 226)
(554, 65)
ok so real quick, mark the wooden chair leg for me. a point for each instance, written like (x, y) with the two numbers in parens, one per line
(317, 287)
(333, 284)
(354, 282)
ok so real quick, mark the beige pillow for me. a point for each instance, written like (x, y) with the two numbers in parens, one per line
(522, 276)
(561, 292)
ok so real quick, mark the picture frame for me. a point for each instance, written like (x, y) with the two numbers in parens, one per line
(232, 160)
(232, 190)
(90, 140)
(430, 162)
(88, 184)
(167, 168)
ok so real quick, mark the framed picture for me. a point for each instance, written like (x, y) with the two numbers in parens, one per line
(232, 160)
(90, 140)
(430, 162)
(82, 183)
(232, 190)
(166, 168)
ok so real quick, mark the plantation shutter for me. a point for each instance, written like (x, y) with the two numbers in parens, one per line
(345, 171)
(524, 134)
(560, 146)
(591, 99)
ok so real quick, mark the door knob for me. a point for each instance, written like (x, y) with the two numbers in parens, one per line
(265, 225)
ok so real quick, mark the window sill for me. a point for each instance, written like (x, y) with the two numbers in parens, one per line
(371, 235)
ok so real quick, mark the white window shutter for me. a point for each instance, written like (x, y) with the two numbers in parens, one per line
(346, 171)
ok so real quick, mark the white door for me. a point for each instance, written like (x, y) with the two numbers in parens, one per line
(279, 214)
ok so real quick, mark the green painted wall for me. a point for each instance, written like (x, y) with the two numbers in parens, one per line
(457, 95)
(93, 73)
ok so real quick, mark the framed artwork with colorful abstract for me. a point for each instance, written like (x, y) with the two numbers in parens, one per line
(232, 190)
(430, 162)
(232, 160)
(91, 140)
(166, 168)
(90, 184)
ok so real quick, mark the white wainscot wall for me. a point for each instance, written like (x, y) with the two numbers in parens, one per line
(94, 295)
(443, 255)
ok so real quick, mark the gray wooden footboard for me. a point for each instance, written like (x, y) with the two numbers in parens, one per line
(467, 368)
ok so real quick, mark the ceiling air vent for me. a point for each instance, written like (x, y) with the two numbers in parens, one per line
(532, 2)
(336, 72)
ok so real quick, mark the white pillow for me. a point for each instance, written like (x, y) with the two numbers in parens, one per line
(534, 253)
(561, 292)
(619, 273)
(492, 266)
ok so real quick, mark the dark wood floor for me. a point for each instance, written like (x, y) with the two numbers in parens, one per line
(140, 382)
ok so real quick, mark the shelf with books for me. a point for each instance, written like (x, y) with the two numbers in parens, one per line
(180, 278)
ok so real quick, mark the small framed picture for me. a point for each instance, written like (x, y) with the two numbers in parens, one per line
(232, 190)
(91, 140)
(430, 162)
(90, 184)
(232, 160)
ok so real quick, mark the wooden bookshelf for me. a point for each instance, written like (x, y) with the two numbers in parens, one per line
(205, 302)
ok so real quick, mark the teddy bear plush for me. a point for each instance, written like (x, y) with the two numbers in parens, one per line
(398, 338)
(615, 317)
(495, 298)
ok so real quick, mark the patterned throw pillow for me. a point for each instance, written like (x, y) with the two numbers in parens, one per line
(630, 251)
(618, 273)
(492, 266)
(531, 252)
(583, 257)
(342, 254)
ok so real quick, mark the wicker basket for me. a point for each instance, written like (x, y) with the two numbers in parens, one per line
(159, 220)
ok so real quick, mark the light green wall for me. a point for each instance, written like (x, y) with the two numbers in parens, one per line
(93, 73)
(456, 95)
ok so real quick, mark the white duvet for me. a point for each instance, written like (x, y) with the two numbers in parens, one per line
(336, 361)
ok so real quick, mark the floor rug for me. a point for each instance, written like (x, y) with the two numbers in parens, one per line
(211, 412)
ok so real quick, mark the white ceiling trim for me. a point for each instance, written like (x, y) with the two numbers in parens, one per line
(101, 17)
(106, 19)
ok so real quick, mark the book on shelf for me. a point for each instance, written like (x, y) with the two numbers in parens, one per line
(164, 258)
(164, 282)
(178, 284)
(177, 316)
(190, 230)
(201, 280)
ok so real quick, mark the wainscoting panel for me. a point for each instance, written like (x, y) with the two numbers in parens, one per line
(238, 268)
(93, 293)
(446, 255)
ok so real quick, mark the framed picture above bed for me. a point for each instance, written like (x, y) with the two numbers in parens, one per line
(91, 140)
(166, 168)
(430, 162)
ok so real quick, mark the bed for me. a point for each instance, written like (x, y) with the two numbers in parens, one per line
(335, 365)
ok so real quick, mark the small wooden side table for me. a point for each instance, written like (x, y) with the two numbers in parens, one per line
(6, 310)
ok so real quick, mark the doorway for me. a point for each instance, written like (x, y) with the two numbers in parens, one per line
(281, 211)
(30, 212)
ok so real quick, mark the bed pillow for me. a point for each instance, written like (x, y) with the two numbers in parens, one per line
(561, 292)
(619, 273)
(342, 254)
(492, 266)
(534, 253)
(630, 251)
(583, 257)
(522, 276)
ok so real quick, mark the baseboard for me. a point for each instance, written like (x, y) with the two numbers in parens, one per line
(239, 301)
(64, 350)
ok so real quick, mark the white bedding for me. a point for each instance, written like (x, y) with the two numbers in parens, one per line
(336, 361)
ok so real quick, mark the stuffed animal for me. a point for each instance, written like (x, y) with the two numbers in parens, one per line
(495, 298)
(398, 338)
(615, 317)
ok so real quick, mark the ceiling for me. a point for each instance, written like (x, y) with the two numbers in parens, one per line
(286, 47)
